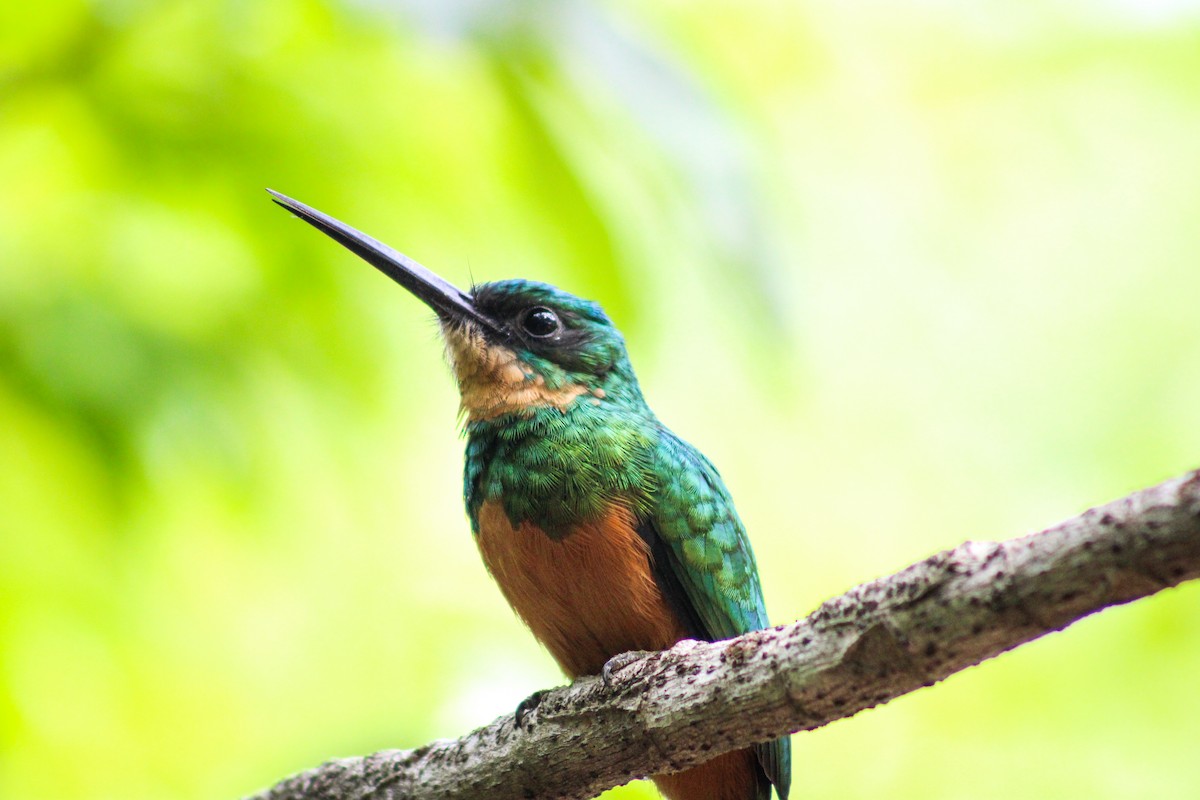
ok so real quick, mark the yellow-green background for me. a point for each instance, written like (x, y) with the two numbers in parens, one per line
(910, 273)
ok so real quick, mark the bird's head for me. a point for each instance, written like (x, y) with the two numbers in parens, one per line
(514, 345)
(546, 347)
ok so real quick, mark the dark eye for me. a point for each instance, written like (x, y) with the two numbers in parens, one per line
(540, 321)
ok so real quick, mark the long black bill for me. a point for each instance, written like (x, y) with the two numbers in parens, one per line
(443, 297)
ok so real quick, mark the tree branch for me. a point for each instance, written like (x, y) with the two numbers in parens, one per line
(878, 641)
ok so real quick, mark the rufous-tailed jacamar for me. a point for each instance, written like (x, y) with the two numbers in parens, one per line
(605, 531)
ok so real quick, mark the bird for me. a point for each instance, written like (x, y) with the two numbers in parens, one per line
(604, 531)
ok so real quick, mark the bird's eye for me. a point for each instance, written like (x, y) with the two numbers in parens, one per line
(540, 321)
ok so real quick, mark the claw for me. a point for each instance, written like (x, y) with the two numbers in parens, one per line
(618, 663)
(527, 705)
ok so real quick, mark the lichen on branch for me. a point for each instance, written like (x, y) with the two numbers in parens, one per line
(878, 641)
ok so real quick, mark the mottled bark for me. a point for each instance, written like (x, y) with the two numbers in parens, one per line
(878, 641)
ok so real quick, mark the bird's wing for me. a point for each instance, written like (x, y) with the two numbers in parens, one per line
(704, 565)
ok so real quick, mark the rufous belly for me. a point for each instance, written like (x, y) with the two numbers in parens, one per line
(588, 597)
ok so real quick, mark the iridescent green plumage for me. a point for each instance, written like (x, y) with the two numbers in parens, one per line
(604, 529)
(557, 468)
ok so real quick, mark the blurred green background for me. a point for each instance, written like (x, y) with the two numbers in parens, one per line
(909, 273)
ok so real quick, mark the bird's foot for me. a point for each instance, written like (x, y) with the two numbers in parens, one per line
(527, 705)
(618, 663)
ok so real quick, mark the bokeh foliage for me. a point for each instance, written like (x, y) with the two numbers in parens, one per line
(909, 273)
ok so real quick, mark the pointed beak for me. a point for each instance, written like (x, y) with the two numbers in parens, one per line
(449, 302)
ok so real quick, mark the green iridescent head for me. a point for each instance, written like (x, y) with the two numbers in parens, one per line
(515, 345)
(552, 330)
(544, 347)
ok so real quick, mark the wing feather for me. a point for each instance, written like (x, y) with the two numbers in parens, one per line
(704, 565)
